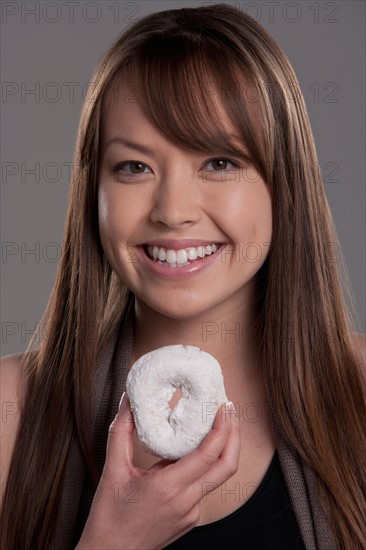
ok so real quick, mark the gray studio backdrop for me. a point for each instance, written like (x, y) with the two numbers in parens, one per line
(50, 50)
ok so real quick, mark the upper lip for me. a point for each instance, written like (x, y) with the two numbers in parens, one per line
(174, 244)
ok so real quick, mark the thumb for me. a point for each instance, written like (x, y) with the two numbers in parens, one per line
(119, 451)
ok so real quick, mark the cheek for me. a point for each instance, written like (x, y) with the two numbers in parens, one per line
(107, 222)
(103, 210)
(117, 215)
(261, 220)
(245, 214)
(112, 230)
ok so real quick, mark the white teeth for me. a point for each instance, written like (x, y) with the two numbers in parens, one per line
(180, 257)
(171, 257)
(201, 251)
(161, 254)
(192, 253)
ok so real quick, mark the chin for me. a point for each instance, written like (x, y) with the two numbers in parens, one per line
(180, 310)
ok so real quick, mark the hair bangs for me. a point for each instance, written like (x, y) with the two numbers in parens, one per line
(193, 96)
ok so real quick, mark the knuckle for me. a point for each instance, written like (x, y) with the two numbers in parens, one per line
(231, 471)
(208, 457)
(162, 492)
(193, 517)
(113, 428)
(231, 467)
(235, 424)
(188, 517)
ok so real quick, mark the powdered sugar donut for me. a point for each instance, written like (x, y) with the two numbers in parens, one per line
(151, 383)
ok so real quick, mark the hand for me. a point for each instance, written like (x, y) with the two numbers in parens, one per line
(140, 509)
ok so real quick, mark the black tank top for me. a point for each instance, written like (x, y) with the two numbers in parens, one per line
(266, 521)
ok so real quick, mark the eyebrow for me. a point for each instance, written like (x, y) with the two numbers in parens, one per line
(146, 150)
(131, 145)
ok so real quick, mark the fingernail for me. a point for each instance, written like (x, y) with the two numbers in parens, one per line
(121, 401)
(230, 407)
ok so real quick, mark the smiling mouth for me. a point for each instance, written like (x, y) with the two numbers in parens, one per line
(182, 257)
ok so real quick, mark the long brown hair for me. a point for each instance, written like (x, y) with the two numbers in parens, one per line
(177, 60)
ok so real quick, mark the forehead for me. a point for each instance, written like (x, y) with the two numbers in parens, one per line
(124, 109)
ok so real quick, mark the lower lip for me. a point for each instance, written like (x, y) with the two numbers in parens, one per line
(176, 273)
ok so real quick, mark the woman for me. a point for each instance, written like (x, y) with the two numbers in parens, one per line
(195, 135)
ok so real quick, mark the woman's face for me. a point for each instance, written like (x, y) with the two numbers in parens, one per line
(153, 192)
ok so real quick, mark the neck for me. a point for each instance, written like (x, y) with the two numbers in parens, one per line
(226, 332)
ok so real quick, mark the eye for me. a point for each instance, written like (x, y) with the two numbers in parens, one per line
(136, 168)
(220, 164)
(132, 169)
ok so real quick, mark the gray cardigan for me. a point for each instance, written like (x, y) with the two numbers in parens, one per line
(110, 383)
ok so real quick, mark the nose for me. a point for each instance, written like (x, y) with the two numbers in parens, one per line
(177, 201)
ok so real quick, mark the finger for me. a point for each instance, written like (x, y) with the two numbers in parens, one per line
(224, 468)
(191, 467)
(119, 451)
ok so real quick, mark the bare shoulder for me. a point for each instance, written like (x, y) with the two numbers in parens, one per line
(11, 392)
(10, 376)
(360, 343)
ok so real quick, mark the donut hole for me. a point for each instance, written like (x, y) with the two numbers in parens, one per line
(175, 398)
